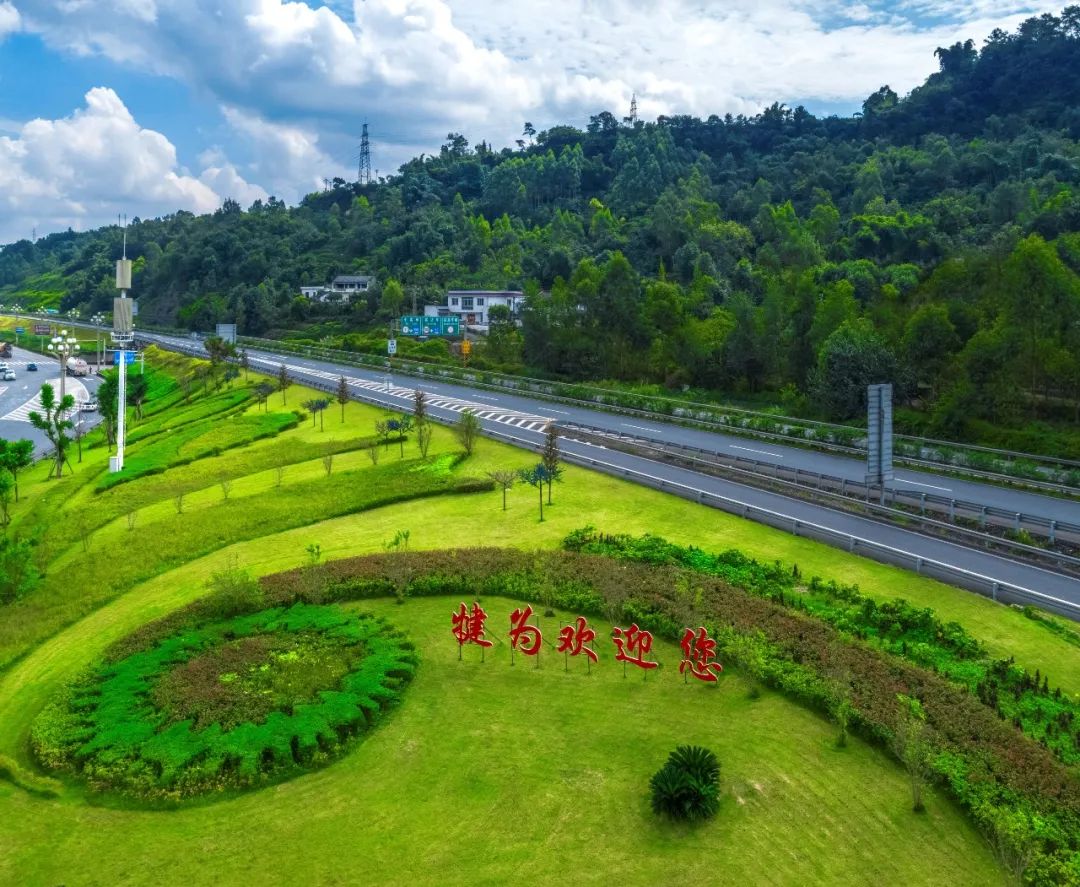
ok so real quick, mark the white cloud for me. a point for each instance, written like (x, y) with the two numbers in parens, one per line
(83, 169)
(295, 79)
(9, 19)
(286, 158)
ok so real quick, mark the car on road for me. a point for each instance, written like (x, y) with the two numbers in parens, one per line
(31, 367)
(89, 406)
(9, 375)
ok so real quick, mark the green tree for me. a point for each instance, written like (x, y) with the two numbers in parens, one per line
(263, 391)
(550, 456)
(504, 479)
(392, 298)
(851, 359)
(283, 381)
(138, 389)
(911, 745)
(108, 395)
(7, 497)
(420, 400)
(15, 455)
(536, 477)
(55, 424)
(219, 351)
(18, 576)
(930, 342)
(467, 430)
(342, 395)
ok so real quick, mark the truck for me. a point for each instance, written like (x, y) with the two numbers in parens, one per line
(76, 366)
(5, 349)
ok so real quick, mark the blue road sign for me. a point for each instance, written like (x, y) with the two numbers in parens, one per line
(19, 330)
(129, 357)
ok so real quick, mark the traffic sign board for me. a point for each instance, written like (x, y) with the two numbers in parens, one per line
(424, 325)
(19, 330)
(129, 357)
(391, 346)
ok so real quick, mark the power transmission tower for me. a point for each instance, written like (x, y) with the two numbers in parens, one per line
(632, 119)
(363, 172)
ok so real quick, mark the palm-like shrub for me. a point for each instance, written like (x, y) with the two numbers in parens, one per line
(688, 785)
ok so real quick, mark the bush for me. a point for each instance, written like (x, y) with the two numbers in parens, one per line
(228, 704)
(688, 785)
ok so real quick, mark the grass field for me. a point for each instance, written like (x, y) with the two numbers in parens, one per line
(488, 773)
(485, 773)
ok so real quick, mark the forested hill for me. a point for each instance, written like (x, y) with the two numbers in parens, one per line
(931, 239)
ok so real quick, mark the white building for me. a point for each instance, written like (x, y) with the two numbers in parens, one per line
(342, 289)
(472, 306)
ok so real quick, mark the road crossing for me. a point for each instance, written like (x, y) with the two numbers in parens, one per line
(22, 413)
(502, 415)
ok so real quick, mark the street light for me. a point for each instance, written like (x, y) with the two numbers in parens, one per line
(63, 346)
(98, 320)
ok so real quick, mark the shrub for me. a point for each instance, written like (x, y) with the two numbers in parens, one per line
(688, 785)
(232, 703)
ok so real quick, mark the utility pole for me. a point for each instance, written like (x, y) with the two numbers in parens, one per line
(363, 170)
(122, 334)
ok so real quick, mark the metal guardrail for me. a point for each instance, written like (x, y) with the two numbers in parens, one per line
(773, 481)
(954, 508)
(987, 586)
(995, 589)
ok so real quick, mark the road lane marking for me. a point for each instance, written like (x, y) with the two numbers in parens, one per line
(917, 484)
(762, 452)
(641, 428)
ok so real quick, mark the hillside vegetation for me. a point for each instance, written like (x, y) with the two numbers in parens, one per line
(931, 240)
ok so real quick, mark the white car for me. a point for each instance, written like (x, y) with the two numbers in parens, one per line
(9, 375)
(89, 406)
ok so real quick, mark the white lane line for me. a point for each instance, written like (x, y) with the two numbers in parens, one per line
(484, 397)
(762, 452)
(917, 484)
(640, 428)
(560, 412)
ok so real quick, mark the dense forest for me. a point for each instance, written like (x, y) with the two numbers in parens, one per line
(932, 240)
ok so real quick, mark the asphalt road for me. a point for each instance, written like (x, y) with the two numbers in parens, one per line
(522, 420)
(1007, 498)
(20, 397)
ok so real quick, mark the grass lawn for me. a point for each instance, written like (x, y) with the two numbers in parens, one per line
(488, 773)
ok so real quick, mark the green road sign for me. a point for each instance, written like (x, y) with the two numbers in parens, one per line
(422, 325)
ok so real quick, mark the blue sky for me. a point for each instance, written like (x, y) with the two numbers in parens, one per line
(148, 106)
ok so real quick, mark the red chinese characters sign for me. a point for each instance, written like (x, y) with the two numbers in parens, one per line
(468, 627)
(699, 651)
(632, 645)
(524, 637)
(573, 638)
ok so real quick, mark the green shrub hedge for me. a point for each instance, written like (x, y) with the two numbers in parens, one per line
(232, 703)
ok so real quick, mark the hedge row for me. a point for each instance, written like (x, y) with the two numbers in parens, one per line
(898, 627)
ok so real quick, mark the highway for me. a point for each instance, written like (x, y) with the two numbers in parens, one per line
(522, 420)
(19, 398)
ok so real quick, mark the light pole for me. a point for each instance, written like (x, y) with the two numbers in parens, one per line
(97, 320)
(123, 333)
(63, 346)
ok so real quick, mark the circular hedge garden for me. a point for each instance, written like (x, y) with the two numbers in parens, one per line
(227, 704)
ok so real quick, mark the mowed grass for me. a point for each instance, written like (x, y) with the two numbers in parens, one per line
(489, 773)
